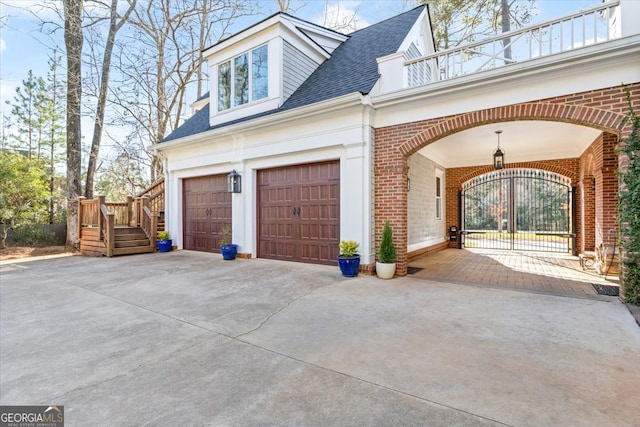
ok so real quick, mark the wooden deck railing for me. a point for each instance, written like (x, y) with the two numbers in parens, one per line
(595, 25)
(88, 212)
(156, 195)
(149, 219)
(105, 216)
(123, 211)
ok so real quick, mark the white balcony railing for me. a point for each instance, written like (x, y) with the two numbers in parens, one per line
(592, 26)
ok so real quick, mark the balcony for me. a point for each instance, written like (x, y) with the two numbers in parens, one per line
(590, 27)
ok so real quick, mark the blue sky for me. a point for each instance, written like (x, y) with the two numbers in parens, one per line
(24, 47)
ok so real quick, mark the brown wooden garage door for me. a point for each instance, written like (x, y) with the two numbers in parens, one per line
(299, 213)
(207, 211)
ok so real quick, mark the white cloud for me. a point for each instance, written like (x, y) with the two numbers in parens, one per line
(342, 17)
(3, 45)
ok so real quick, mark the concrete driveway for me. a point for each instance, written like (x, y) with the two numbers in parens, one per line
(184, 338)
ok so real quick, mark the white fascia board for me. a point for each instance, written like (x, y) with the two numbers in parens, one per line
(303, 43)
(199, 104)
(417, 34)
(241, 36)
(625, 50)
(319, 35)
(252, 41)
(324, 32)
(245, 39)
(345, 101)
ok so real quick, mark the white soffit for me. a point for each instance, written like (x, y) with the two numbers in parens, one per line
(521, 141)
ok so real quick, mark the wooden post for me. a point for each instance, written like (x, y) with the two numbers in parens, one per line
(138, 209)
(109, 233)
(129, 210)
(100, 200)
(80, 214)
(154, 229)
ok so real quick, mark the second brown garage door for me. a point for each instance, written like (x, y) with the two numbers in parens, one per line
(207, 212)
(299, 213)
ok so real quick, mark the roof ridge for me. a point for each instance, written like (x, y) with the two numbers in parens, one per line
(423, 6)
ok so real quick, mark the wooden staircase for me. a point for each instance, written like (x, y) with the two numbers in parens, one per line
(126, 228)
(131, 240)
(127, 241)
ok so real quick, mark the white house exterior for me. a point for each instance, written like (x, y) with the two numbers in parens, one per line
(353, 130)
(337, 129)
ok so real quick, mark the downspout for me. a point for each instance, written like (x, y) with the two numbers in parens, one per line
(368, 110)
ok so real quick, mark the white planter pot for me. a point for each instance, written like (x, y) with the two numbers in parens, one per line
(385, 271)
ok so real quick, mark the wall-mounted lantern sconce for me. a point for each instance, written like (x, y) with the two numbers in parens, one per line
(234, 182)
(498, 155)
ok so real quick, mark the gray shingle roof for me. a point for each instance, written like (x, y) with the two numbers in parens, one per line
(351, 68)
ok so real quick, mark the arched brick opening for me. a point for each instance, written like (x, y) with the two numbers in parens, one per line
(456, 177)
(602, 109)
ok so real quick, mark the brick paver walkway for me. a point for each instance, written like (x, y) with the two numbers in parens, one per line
(555, 274)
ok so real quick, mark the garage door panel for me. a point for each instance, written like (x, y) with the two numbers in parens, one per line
(207, 212)
(317, 253)
(281, 250)
(302, 203)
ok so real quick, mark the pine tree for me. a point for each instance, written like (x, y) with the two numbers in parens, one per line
(26, 115)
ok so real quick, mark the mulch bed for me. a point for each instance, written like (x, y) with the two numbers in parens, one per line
(17, 252)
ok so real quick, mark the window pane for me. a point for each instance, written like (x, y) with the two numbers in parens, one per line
(241, 74)
(224, 86)
(260, 73)
(438, 186)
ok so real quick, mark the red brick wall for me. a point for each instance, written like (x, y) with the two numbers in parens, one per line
(587, 209)
(603, 109)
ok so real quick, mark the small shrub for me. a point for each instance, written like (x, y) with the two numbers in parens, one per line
(387, 252)
(226, 237)
(349, 247)
(163, 235)
(632, 280)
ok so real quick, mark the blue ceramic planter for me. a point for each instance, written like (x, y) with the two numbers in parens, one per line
(229, 252)
(164, 245)
(349, 265)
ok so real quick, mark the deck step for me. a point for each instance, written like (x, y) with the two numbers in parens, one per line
(127, 241)
(133, 250)
(131, 243)
(132, 236)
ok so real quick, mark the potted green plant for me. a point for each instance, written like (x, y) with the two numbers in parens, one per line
(163, 241)
(349, 259)
(228, 249)
(386, 264)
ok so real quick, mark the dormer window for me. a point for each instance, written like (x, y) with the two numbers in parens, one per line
(243, 79)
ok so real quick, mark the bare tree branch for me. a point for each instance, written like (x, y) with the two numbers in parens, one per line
(115, 24)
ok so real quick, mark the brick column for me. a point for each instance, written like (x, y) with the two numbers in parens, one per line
(587, 215)
(391, 173)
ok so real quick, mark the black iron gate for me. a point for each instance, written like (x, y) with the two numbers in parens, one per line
(518, 209)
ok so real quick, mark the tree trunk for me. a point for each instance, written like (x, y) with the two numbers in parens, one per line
(114, 26)
(73, 39)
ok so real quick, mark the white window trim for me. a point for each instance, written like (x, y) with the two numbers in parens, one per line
(232, 79)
